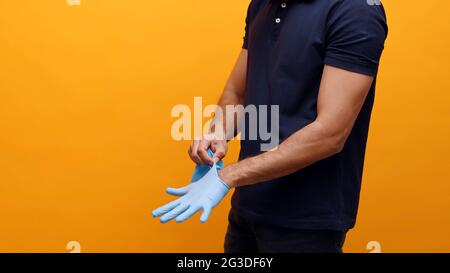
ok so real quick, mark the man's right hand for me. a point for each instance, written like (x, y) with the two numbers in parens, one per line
(198, 151)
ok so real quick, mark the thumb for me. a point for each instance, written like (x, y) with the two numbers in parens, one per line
(205, 215)
(219, 154)
(178, 191)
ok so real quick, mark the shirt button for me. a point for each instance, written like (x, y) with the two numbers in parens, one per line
(283, 5)
(278, 20)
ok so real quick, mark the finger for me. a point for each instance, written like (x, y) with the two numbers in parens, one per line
(164, 209)
(187, 214)
(193, 152)
(203, 152)
(219, 154)
(174, 213)
(205, 215)
(178, 191)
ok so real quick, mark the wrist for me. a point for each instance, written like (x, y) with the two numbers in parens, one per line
(225, 176)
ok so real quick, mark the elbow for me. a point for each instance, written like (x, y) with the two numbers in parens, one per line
(332, 139)
(335, 143)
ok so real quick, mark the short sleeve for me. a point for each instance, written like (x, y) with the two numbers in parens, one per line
(355, 36)
(252, 10)
(247, 23)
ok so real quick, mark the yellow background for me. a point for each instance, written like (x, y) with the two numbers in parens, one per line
(85, 147)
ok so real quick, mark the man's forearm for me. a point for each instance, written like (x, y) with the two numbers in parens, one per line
(233, 95)
(305, 147)
(226, 123)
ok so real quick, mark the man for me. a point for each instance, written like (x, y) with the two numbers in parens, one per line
(317, 60)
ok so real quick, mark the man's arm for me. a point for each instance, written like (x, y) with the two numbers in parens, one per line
(233, 94)
(341, 96)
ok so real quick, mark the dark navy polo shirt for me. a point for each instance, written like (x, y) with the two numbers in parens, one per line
(288, 43)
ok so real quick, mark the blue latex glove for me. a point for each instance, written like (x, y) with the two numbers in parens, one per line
(201, 170)
(204, 195)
